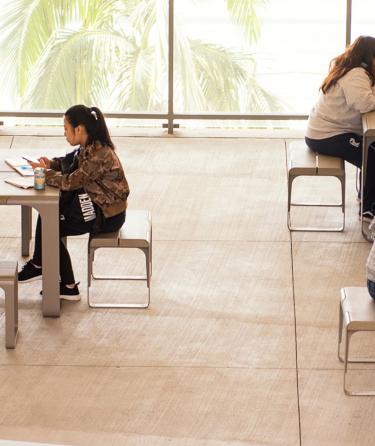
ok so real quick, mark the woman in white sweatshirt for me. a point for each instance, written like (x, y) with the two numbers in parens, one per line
(334, 127)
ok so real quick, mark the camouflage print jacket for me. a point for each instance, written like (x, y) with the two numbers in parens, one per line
(98, 171)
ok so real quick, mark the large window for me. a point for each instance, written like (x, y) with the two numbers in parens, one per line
(216, 62)
(299, 38)
(249, 56)
(230, 56)
(110, 53)
(363, 18)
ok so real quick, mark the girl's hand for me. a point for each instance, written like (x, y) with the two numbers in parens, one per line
(46, 162)
(43, 162)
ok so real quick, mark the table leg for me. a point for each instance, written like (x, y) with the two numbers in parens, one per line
(50, 255)
(367, 141)
(26, 225)
(48, 207)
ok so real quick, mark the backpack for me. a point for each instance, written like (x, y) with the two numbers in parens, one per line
(76, 205)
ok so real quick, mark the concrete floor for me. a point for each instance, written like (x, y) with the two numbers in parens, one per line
(239, 345)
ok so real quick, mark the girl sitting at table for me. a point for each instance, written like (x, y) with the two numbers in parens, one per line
(93, 188)
(334, 126)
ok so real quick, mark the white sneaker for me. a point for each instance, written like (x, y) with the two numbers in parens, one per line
(368, 216)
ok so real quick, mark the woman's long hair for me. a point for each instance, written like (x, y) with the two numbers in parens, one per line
(93, 121)
(359, 54)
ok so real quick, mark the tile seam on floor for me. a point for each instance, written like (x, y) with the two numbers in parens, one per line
(139, 366)
(81, 237)
(295, 338)
(347, 242)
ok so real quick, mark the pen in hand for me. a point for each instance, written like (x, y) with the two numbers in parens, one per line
(41, 162)
(30, 160)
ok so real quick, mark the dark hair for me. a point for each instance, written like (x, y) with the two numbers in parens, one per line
(359, 54)
(93, 121)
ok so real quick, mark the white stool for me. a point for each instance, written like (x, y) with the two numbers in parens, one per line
(135, 233)
(9, 283)
(301, 161)
(357, 313)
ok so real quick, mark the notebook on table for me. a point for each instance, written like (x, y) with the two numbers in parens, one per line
(24, 183)
(21, 165)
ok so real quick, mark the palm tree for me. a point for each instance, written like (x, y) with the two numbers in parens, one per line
(113, 53)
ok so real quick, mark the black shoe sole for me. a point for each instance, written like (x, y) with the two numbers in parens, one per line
(366, 219)
(74, 298)
(32, 279)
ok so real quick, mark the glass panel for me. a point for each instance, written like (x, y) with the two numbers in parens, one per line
(109, 53)
(249, 56)
(362, 18)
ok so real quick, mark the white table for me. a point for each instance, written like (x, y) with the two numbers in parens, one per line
(47, 204)
(26, 212)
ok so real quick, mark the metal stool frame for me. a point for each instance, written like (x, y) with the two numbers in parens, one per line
(353, 325)
(314, 167)
(115, 240)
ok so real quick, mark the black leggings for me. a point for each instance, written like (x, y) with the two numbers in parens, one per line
(348, 146)
(66, 228)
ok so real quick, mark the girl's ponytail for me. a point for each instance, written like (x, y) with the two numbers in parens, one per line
(93, 121)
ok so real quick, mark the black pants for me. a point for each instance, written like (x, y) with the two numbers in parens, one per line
(348, 146)
(66, 228)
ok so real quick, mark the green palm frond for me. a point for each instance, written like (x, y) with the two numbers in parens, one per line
(188, 93)
(257, 99)
(133, 87)
(114, 53)
(72, 69)
(245, 13)
(142, 82)
(98, 12)
(20, 22)
(220, 72)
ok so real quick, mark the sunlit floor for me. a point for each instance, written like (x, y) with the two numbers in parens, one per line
(239, 345)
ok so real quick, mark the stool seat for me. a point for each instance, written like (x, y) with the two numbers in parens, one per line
(136, 232)
(358, 308)
(330, 165)
(104, 240)
(301, 161)
(356, 313)
(9, 283)
(7, 269)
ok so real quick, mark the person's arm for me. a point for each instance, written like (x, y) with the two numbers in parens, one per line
(358, 91)
(92, 166)
(43, 161)
(62, 163)
(58, 164)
